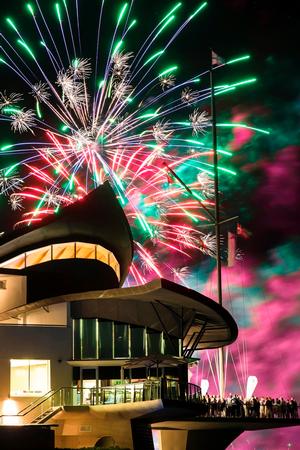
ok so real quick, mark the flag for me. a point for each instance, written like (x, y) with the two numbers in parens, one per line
(169, 178)
(216, 60)
(243, 232)
(231, 249)
(169, 175)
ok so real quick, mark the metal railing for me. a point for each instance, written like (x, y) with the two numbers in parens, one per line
(40, 409)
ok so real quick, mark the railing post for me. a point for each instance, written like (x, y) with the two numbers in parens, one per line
(81, 396)
(97, 395)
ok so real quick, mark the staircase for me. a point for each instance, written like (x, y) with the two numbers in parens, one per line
(46, 415)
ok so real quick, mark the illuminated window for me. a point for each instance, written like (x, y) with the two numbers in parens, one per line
(38, 256)
(67, 250)
(63, 251)
(102, 254)
(15, 263)
(29, 377)
(86, 251)
(115, 265)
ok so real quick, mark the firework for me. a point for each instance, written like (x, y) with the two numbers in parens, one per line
(16, 202)
(9, 182)
(89, 122)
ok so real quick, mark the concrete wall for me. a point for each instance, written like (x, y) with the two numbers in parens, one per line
(83, 427)
(35, 342)
(173, 439)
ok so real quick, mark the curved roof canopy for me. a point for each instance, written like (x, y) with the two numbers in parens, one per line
(97, 218)
(160, 305)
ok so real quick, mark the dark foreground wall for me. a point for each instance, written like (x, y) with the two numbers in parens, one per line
(27, 437)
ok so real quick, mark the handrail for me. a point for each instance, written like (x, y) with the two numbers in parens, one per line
(37, 401)
(131, 392)
(147, 383)
(165, 389)
(33, 405)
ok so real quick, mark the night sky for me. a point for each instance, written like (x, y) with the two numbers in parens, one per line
(266, 193)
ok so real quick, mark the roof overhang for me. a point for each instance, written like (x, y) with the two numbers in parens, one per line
(161, 305)
(97, 218)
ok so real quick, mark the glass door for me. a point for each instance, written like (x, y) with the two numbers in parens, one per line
(89, 385)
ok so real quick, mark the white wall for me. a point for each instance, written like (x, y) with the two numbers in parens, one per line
(50, 315)
(15, 293)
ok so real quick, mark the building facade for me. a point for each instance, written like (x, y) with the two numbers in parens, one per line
(68, 327)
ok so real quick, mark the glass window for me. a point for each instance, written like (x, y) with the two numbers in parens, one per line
(63, 251)
(105, 339)
(67, 250)
(29, 377)
(76, 339)
(114, 264)
(88, 338)
(15, 263)
(154, 342)
(102, 254)
(86, 251)
(121, 340)
(137, 341)
(171, 345)
(38, 256)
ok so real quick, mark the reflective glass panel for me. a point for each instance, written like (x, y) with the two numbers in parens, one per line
(76, 339)
(105, 339)
(137, 341)
(171, 345)
(121, 340)
(88, 338)
(154, 342)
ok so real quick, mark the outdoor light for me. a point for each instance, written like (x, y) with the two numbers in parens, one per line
(204, 386)
(9, 411)
(251, 385)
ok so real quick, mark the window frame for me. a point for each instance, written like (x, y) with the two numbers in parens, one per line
(28, 392)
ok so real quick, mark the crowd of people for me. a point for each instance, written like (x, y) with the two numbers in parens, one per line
(236, 406)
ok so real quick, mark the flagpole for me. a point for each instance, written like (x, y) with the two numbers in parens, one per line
(217, 224)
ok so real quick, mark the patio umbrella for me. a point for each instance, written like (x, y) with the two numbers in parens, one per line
(155, 360)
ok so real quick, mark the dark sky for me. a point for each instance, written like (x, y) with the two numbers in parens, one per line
(262, 27)
(267, 30)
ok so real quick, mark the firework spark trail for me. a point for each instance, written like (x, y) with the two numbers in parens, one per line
(126, 129)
